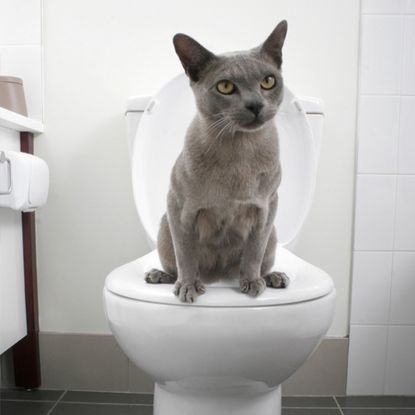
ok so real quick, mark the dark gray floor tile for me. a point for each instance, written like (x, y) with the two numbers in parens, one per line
(108, 397)
(310, 411)
(376, 401)
(34, 395)
(25, 408)
(378, 411)
(66, 408)
(309, 401)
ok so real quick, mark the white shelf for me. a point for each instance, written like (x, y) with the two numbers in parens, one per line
(17, 122)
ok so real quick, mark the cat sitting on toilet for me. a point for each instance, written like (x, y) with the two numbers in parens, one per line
(223, 193)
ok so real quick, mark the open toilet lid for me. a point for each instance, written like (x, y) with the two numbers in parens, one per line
(160, 138)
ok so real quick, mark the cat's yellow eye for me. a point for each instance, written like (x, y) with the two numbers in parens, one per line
(268, 82)
(225, 87)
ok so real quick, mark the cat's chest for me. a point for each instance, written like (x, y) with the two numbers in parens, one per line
(236, 183)
(244, 172)
(232, 222)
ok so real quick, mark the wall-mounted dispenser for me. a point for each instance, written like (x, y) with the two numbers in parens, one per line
(24, 181)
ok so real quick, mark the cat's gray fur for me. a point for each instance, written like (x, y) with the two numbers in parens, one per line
(223, 196)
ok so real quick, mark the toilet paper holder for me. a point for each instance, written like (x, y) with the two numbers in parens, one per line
(24, 181)
(7, 173)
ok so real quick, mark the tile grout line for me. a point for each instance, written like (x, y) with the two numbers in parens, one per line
(338, 405)
(109, 392)
(308, 407)
(395, 208)
(56, 403)
(28, 400)
(106, 403)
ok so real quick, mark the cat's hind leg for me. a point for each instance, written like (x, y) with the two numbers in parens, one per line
(157, 276)
(273, 279)
(167, 258)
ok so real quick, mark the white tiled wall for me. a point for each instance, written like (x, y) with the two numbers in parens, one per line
(21, 48)
(382, 333)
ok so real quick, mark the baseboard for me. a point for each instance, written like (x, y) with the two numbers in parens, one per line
(95, 362)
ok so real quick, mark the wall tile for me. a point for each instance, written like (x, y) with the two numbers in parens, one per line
(406, 157)
(410, 6)
(403, 288)
(381, 358)
(367, 355)
(20, 22)
(400, 365)
(381, 50)
(25, 62)
(383, 6)
(375, 197)
(408, 78)
(371, 287)
(405, 208)
(378, 134)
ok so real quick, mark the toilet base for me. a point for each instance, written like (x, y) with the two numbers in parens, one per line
(185, 403)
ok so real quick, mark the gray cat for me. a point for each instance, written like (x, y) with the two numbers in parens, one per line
(223, 195)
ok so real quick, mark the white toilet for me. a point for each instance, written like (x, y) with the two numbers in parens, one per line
(227, 353)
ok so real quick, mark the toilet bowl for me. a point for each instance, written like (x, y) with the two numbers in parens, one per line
(227, 353)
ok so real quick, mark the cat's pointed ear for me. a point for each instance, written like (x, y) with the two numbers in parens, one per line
(273, 45)
(193, 55)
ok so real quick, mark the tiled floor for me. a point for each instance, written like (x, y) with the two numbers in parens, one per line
(59, 402)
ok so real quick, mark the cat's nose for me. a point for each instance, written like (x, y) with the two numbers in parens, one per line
(254, 107)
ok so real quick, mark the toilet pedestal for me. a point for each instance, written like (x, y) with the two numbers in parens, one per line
(217, 403)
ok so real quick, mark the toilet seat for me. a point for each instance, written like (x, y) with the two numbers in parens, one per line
(307, 282)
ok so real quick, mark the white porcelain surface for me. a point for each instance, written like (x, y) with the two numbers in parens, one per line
(405, 208)
(223, 402)
(403, 289)
(400, 365)
(244, 349)
(375, 197)
(367, 355)
(383, 6)
(406, 159)
(371, 287)
(306, 283)
(169, 114)
(408, 78)
(379, 71)
(25, 62)
(226, 353)
(20, 22)
(378, 134)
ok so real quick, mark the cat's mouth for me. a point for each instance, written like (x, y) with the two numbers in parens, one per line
(253, 125)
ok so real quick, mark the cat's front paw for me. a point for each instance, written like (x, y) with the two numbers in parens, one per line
(277, 280)
(187, 292)
(252, 287)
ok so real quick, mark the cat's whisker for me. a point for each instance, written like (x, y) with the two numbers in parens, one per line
(223, 130)
(217, 124)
